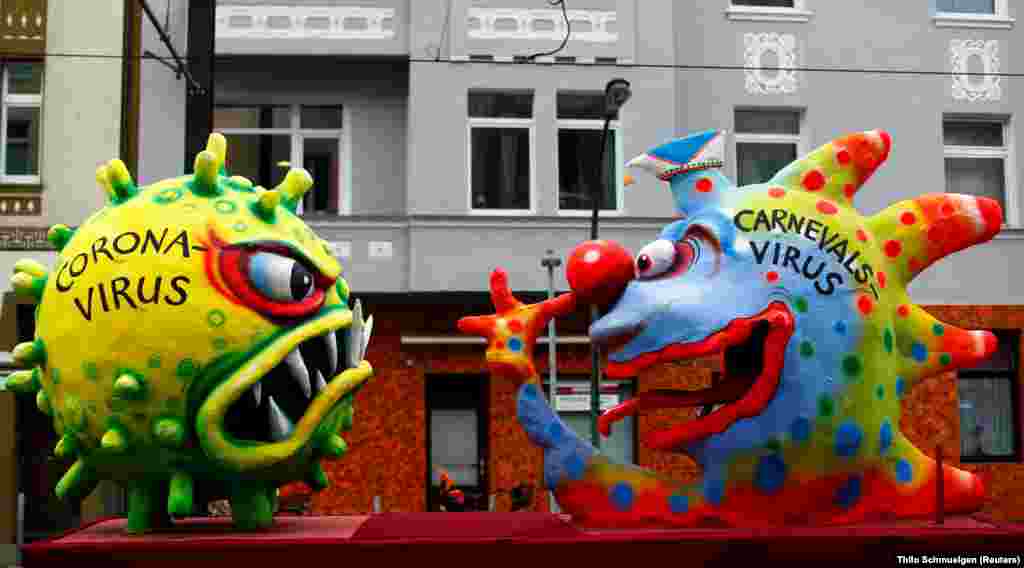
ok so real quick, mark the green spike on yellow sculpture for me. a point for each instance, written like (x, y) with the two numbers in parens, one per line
(165, 311)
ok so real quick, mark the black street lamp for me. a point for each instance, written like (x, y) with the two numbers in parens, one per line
(616, 93)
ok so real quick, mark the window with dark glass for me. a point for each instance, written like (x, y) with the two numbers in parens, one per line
(966, 6)
(975, 158)
(989, 407)
(581, 176)
(22, 102)
(767, 140)
(765, 3)
(500, 154)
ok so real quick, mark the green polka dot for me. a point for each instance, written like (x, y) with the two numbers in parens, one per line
(225, 206)
(945, 359)
(826, 406)
(55, 376)
(938, 329)
(880, 392)
(220, 343)
(773, 445)
(186, 368)
(851, 366)
(90, 371)
(169, 195)
(887, 338)
(216, 318)
(806, 349)
(801, 305)
(154, 361)
(241, 227)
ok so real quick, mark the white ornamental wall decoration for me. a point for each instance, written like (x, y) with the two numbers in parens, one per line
(774, 80)
(972, 88)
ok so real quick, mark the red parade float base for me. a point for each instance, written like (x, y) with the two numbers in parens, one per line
(431, 539)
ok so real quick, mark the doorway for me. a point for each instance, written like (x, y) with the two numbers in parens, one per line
(458, 439)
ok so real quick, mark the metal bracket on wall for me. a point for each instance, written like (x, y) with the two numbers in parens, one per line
(178, 66)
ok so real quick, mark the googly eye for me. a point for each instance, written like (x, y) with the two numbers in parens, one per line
(655, 258)
(280, 278)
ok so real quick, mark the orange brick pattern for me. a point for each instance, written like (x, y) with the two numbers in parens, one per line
(388, 453)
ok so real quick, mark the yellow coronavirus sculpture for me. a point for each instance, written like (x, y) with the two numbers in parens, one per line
(193, 332)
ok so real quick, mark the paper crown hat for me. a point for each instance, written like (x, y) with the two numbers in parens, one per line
(699, 151)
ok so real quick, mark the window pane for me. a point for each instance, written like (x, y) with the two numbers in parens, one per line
(25, 78)
(322, 159)
(455, 446)
(987, 421)
(496, 104)
(757, 163)
(251, 117)
(580, 105)
(620, 445)
(326, 117)
(256, 156)
(768, 3)
(501, 168)
(972, 133)
(578, 171)
(981, 177)
(768, 122)
(967, 6)
(22, 141)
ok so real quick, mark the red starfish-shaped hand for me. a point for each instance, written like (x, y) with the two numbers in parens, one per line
(512, 330)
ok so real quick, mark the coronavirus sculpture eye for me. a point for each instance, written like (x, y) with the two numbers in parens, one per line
(280, 278)
(273, 280)
(655, 258)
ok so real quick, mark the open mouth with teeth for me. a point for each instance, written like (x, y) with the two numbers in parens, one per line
(752, 351)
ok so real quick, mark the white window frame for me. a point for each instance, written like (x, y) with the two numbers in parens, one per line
(1000, 20)
(598, 125)
(1006, 152)
(798, 13)
(528, 124)
(298, 135)
(18, 101)
(799, 139)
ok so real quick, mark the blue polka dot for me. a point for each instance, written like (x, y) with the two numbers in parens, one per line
(530, 392)
(574, 467)
(515, 344)
(622, 496)
(714, 490)
(771, 474)
(900, 386)
(840, 327)
(848, 439)
(679, 503)
(555, 433)
(801, 429)
(904, 471)
(919, 352)
(848, 493)
(885, 438)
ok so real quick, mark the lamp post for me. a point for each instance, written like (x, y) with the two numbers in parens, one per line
(551, 262)
(616, 93)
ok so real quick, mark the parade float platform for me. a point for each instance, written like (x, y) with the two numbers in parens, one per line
(427, 538)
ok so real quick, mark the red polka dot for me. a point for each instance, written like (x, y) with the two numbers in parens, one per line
(881, 279)
(777, 192)
(515, 326)
(903, 311)
(704, 185)
(499, 344)
(849, 190)
(947, 210)
(893, 248)
(772, 276)
(908, 218)
(827, 207)
(814, 180)
(843, 157)
(861, 235)
(865, 305)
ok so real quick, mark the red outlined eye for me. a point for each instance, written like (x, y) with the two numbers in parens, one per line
(272, 280)
(655, 258)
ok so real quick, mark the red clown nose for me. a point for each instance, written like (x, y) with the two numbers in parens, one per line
(598, 271)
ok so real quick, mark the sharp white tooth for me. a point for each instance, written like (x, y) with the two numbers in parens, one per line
(299, 371)
(368, 329)
(332, 352)
(280, 426)
(355, 337)
(321, 384)
(257, 392)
